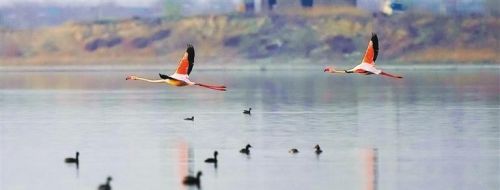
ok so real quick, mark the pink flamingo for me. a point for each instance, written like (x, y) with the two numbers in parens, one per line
(367, 66)
(181, 76)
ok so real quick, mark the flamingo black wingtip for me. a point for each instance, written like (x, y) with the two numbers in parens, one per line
(191, 54)
(162, 76)
(374, 40)
(190, 49)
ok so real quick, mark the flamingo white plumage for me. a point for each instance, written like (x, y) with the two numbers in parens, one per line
(181, 75)
(367, 66)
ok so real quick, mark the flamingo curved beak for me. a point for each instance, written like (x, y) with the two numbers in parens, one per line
(128, 78)
(326, 69)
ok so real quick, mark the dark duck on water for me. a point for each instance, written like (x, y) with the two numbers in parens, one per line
(246, 150)
(72, 160)
(190, 180)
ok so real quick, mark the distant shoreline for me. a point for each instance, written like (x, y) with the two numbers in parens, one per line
(321, 35)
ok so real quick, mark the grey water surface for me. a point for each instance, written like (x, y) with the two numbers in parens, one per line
(435, 129)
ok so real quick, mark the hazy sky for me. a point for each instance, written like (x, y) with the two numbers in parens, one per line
(87, 2)
(134, 3)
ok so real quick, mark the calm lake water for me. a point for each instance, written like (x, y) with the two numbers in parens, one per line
(435, 129)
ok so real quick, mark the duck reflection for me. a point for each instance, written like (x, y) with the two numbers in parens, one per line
(186, 166)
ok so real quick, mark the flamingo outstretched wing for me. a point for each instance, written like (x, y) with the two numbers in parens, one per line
(372, 50)
(184, 69)
(187, 62)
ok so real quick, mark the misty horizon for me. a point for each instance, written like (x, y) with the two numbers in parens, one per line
(75, 3)
(122, 3)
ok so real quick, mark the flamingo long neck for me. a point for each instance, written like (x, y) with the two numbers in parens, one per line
(341, 71)
(149, 80)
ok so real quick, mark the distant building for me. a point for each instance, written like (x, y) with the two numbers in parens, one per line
(447, 7)
(257, 6)
(387, 7)
(214, 7)
(269, 5)
(307, 3)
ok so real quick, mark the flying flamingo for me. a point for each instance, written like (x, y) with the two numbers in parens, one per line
(181, 75)
(367, 66)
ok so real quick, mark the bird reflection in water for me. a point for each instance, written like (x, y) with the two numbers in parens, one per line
(186, 166)
(370, 166)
